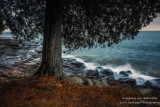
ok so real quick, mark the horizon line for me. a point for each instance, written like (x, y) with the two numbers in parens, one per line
(150, 29)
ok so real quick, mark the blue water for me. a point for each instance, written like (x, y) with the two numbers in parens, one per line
(142, 54)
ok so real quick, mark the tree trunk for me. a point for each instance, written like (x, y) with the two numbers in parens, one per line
(51, 64)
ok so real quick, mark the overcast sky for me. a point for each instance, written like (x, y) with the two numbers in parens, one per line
(154, 26)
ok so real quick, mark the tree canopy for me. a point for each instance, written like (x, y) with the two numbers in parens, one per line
(85, 23)
(75, 24)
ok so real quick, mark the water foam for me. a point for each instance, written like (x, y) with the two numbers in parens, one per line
(140, 78)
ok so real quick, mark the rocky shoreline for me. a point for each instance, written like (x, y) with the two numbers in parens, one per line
(23, 59)
(78, 73)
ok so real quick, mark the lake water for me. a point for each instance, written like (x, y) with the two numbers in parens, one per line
(141, 55)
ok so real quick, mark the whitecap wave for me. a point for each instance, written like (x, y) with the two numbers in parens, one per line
(140, 78)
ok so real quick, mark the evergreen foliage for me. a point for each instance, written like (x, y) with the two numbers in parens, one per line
(85, 23)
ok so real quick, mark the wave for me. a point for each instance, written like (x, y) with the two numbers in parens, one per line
(140, 78)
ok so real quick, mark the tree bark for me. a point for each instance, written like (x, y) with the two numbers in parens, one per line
(51, 64)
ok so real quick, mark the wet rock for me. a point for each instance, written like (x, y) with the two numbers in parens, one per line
(99, 69)
(128, 72)
(116, 75)
(13, 44)
(73, 66)
(140, 81)
(92, 73)
(106, 72)
(155, 83)
(111, 80)
(9, 53)
(76, 80)
(128, 81)
(125, 73)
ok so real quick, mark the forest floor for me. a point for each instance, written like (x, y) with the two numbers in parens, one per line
(49, 92)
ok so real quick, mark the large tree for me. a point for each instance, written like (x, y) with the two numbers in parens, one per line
(76, 24)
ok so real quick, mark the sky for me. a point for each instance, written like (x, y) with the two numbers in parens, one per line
(153, 26)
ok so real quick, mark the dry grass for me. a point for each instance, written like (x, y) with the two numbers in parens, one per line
(49, 92)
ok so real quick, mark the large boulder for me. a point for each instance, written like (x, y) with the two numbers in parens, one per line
(128, 81)
(106, 72)
(73, 67)
(155, 83)
(92, 73)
